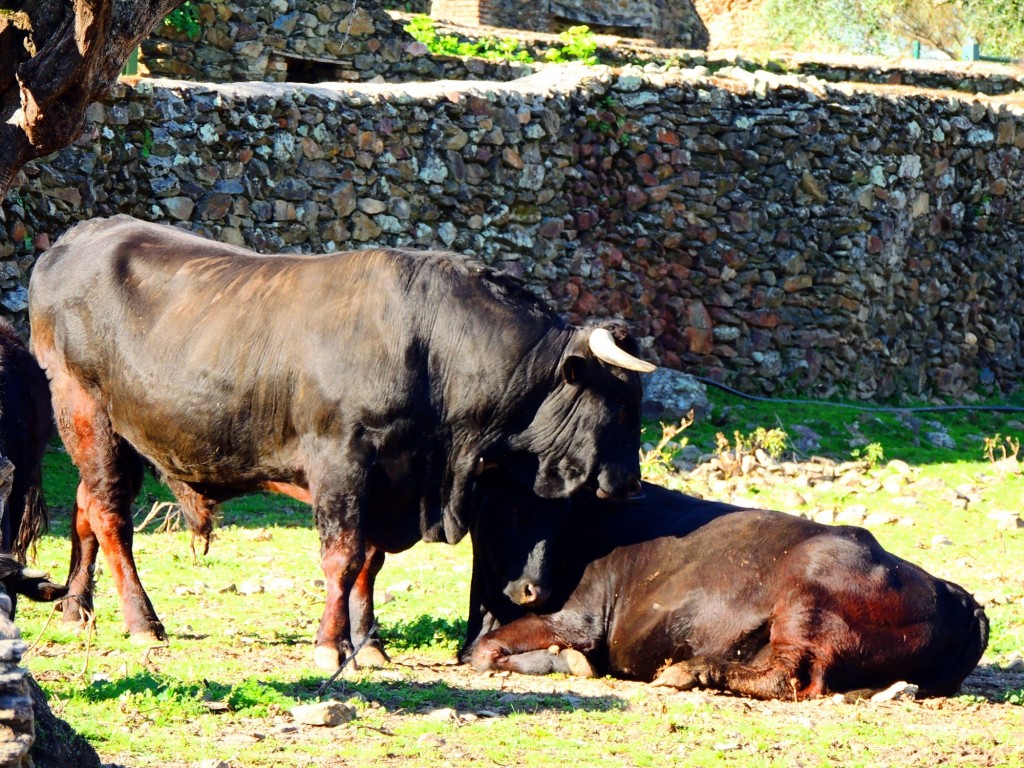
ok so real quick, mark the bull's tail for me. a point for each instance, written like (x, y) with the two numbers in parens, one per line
(199, 518)
(971, 618)
(35, 521)
(200, 512)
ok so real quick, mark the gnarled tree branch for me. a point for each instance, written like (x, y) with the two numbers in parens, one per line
(56, 58)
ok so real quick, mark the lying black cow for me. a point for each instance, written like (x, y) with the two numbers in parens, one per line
(376, 385)
(26, 425)
(686, 592)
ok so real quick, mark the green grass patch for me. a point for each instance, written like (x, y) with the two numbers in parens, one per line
(237, 661)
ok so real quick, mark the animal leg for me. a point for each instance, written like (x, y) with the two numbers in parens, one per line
(360, 608)
(512, 646)
(77, 606)
(111, 476)
(113, 530)
(771, 678)
(342, 555)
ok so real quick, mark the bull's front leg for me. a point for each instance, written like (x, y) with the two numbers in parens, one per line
(339, 516)
(532, 645)
(364, 635)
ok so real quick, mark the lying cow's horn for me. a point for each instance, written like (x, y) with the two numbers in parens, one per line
(604, 348)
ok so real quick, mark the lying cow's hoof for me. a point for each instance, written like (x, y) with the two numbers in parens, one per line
(371, 656)
(327, 657)
(577, 662)
(676, 676)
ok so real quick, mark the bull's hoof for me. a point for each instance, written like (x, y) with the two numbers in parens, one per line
(74, 612)
(148, 638)
(371, 656)
(327, 657)
(676, 676)
(577, 662)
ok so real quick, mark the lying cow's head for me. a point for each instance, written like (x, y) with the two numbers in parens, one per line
(586, 433)
(513, 532)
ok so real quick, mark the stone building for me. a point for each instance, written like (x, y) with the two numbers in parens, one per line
(669, 23)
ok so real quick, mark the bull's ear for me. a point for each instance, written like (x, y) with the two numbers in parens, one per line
(575, 370)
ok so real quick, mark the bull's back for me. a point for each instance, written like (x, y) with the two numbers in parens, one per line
(211, 359)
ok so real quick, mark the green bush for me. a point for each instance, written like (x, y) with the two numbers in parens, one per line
(185, 18)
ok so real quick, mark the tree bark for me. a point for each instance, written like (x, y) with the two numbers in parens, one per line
(56, 58)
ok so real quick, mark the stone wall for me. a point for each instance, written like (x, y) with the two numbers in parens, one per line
(672, 23)
(302, 41)
(772, 232)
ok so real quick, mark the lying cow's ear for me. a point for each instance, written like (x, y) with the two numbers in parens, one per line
(575, 370)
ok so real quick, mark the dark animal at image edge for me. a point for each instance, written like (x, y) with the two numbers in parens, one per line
(377, 385)
(26, 425)
(692, 593)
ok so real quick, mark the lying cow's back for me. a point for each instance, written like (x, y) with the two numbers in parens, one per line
(704, 579)
(670, 578)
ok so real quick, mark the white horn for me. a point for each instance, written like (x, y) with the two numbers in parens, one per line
(604, 348)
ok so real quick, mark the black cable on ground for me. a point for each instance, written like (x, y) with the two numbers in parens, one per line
(864, 408)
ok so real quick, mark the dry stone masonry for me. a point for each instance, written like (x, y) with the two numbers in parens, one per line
(302, 41)
(775, 232)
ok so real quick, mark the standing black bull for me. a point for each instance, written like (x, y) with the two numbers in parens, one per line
(687, 593)
(26, 425)
(377, 385)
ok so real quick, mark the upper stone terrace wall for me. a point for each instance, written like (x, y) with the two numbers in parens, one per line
(768, 231)
(302, 41)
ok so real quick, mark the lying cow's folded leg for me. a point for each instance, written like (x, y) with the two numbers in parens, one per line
(772, 678)
(532, 663)
(360, 609)
(567, 661)
(530, 633)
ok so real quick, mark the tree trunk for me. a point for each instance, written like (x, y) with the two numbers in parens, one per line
(56, 58)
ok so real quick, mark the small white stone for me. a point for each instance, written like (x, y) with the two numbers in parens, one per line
(899, 691)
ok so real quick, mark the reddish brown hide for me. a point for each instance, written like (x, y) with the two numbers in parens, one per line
(685, 592)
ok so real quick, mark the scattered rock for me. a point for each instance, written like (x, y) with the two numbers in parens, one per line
(443, 713)
(1006, 520)
(279, 585)
(250, 587)
(329, 713)
(852, 515)
(899, 467)
(670, 394)
(806, 439)
(899, 691)
(941, 540)
(940, 440)
(879, 518)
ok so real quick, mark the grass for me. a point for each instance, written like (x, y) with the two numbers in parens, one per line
(237, 661)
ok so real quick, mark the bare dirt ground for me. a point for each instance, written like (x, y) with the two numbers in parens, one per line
(970, 730)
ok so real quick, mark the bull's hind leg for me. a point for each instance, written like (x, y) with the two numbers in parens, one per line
(360, 608)
(111, 476)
